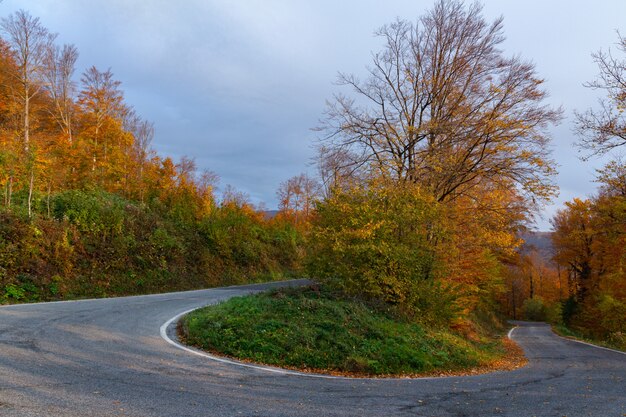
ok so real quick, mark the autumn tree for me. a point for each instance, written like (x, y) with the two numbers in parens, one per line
(602, 308)
(444, 108)
(604, 129)
(573, 239)
(102, 103)
(589, 240)
(444, 117)
(10, 148)
(29, 41)
(143, 134)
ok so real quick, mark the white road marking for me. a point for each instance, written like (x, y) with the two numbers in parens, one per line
(163, 332)
(591, 344)
(510, 333)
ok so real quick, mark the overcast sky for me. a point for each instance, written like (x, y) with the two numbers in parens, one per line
(238, 85)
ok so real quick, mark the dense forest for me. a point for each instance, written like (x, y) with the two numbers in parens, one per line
(430, 171)
(90, 209)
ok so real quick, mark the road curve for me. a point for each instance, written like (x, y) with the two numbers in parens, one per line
(106, 358)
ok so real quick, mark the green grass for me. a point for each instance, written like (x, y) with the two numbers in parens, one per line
(309, 329)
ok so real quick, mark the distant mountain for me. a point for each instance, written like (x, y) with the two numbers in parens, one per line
(270, 214)
(539, 241)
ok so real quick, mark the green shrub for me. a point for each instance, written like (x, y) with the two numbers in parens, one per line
(612, 314)
(535, 309)
(377, 243)
(14, 293)
(99, 244)
(554, 313)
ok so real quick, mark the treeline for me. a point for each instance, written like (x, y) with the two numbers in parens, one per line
(590, 241)
(57, 134)
(89, 209)
(578, 280)
(582, 281)
(590, 235)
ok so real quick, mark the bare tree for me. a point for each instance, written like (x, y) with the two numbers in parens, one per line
(605, 129)
(444, 108)
(143, 134)
(101, 98)
(232, 197)
(297, 196)
(59, 70)
(186, 170)
(338, 168)
(29, 41)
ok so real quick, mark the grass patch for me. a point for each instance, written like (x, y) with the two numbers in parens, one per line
(309, 329)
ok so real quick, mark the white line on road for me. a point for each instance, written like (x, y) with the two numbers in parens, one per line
(163, 332)
(591, 344)
(511, 332)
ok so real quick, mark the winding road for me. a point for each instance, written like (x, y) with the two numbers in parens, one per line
(106, 357)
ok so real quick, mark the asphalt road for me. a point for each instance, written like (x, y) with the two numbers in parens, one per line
(106, 358)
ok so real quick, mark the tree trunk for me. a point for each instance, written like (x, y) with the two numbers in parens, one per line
(558, 271)
(30, 191)
(26, 119)
(10, 192)
(48, 199)
(513, 297)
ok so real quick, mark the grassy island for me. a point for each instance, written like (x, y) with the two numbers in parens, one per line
(315, 330)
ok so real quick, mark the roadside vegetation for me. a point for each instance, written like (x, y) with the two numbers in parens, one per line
(97, 244)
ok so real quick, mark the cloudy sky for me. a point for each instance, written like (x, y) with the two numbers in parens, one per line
(239, 84)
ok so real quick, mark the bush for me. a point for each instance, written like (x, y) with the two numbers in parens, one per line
(95, 212)
(376, 243)
(554, 313)
(613, 314)
(535, 309)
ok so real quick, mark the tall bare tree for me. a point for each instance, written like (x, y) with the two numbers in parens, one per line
(59, 69)
(101, 98)
(29, 41)
(443, 107)
(604, 129)
(143, 134)
(297, 195)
